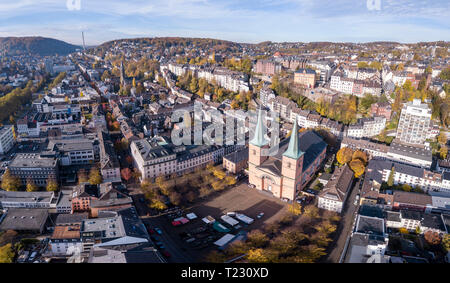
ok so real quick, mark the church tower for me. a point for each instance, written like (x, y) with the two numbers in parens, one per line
(292, 166)
(123, 81)
(258, 143)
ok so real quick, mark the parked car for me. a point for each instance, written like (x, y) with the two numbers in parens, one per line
(260, 215)
(190, 240)
(159, 231)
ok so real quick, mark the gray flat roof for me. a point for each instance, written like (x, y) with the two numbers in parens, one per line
(32, 160)
(24, 219)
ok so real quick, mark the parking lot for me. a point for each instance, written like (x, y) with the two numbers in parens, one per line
(192, 241)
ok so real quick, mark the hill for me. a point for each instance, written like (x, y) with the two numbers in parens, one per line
(35, 46)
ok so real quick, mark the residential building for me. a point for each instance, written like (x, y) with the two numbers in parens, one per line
(267, 67)
(236, 162)
(6, 138)
(335, 192)
(305, 77)
(414, 125)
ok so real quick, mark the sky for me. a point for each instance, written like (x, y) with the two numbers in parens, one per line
(248, 21)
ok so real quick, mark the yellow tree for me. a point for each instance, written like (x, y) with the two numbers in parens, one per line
(257, 256)
(6, 254)
(295, 208)
(52, 185)
(10, 182)
(344, 155)
(358, 154)
(357, 167)
(95, 178)
(31, 186)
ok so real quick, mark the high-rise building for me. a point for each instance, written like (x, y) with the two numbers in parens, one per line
(415, 122)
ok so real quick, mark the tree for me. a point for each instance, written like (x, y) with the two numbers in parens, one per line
(82, 177)
(52, 185)
(6, 254)
(175, 198)
(446, 242)
(443, 151)
(418, 231)
(359, 155)
(10, 182)
(126, 174)
(31, 186)
(95, 178)
(357, 167)
(432, 238)
(295, 208)
(257, 256)
(257, 239)
(158, 204)
(311, 211)
(442, 138)
(390, 181)
(344, 155)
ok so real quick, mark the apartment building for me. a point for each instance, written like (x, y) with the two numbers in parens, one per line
(367, 127)
(305, 77)
(154, 158)
(414, 126)
(283, 106)
(6, 138)
(335, 192)
(267, 67)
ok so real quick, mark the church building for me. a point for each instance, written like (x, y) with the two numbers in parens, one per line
(287, 172)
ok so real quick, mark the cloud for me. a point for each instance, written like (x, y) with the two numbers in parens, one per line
(240, 20)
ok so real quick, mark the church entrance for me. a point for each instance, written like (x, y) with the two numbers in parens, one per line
(268, 184)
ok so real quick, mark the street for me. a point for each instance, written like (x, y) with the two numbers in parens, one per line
(345, 226)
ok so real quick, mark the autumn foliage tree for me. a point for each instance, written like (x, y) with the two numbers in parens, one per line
(31, 186)
(126, 174)
(52, 185)
(357, 167)
(432, 238)
(358, 154)
(95, 178)
(344, 155)
(10, 182)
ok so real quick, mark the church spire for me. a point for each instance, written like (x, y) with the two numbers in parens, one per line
(293, 150)
(259, 139)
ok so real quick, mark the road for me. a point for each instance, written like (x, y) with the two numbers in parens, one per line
(346, 224)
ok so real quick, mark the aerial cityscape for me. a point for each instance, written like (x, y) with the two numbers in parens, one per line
(201, 145)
